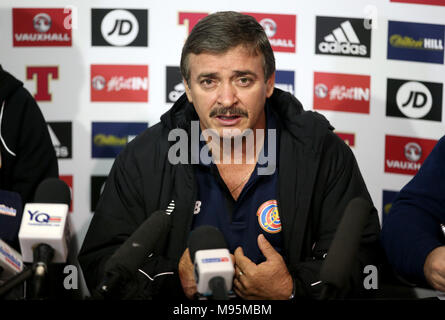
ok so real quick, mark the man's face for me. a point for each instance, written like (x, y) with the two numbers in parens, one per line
(228, 90)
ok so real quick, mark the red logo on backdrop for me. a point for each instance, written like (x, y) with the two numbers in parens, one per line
(119, 83)
(42, 76)
(348, 138)
(41, 27)
(432, 2)
(69, 181)
(406, 155)
(190, 19)
(342, 92)
(279, 28)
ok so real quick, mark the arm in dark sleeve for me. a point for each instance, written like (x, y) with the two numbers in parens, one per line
(35, 156)
(118, 214)
(339, 181)
(412, 228)
(121, 210)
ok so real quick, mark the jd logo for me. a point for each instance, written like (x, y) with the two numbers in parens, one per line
(414, 99)
(120, 27)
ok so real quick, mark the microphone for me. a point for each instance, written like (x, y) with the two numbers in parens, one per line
(130, 256)
(45, 221)
(44, 232)
(213, 266)
(337, 267)
(11, 210)
(11, 262)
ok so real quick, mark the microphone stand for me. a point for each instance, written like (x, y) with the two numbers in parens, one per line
(218, 287)
(43, 254)
(16, 280)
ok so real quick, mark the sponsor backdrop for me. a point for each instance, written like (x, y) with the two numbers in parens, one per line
(103, 71)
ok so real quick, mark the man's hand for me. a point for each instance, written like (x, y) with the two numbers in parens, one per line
(267, 280)
(186, 274)
(434, 268)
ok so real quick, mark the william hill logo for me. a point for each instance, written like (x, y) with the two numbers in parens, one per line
(109, 138)
(399, 41)
(102, 140)
(420, 42)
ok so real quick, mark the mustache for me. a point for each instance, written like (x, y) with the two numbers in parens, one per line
(232, 111)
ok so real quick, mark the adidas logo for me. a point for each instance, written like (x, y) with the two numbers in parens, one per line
(62, 150)
(343, 40)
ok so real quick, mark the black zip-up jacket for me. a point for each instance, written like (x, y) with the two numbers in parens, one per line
(27, 153)
(318, 176)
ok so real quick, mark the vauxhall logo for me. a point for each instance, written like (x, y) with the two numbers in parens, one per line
(41, 27)
(269, 26)
(405, 155)
(343, 36)
(413, 151)
(42, 22)
(279, 28)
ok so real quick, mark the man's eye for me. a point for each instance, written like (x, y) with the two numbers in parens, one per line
(244, 81)
(207, 82)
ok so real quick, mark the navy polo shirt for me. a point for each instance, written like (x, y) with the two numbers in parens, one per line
(255, 211)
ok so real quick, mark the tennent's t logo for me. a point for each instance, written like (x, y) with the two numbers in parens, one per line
(42, 77)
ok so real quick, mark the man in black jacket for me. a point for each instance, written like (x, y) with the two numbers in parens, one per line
(27, 153)
(278, 213)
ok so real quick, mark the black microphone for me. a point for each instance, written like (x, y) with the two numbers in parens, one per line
(211, 259)
(53, 190)
(130, 256)
(337, 267)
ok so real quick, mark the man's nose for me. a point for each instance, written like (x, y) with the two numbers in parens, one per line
(227, 95)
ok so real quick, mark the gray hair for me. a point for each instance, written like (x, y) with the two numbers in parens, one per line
(221, 31)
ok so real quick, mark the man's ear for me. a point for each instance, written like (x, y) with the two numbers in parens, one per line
(270, 84)
(187, 91)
